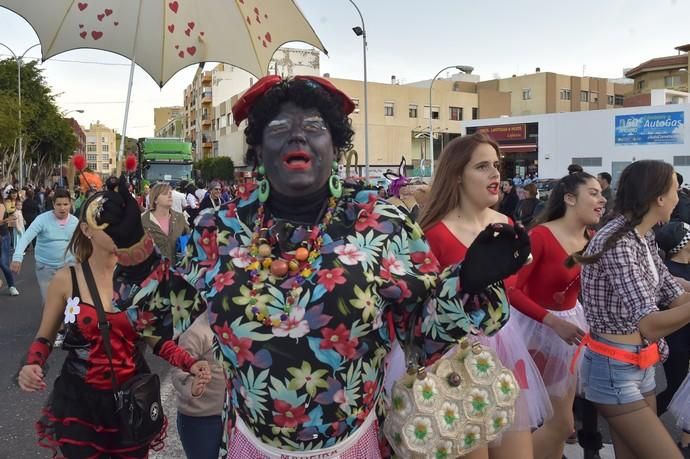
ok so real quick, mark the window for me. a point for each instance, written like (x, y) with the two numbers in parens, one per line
(102, 139)
(105, 157)
(594, 96)
(526, 94)
(222, 122)
(413, 110)
(455, 113)
(618, 99)
(92, 157)
(587, 161)
(584, 96)
(92, 166)
(229, 117)
(105, 147)
(435, 110)
(475, 113)
(356, 102)
(389, 109)
(640, 84)
(91, 138)
(672, 81)
(90, 148)
(610, 100)
(566, 94)
(105, 167)
(681, 160)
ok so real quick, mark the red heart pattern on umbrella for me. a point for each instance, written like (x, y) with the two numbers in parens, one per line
(184, 30)
(258, 20)
(82, 6)
(108, 11)
(96, 35)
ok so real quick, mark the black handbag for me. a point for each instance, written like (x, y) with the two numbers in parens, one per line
(138, 401)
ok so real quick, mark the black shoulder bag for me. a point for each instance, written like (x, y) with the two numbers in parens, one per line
(137, 401)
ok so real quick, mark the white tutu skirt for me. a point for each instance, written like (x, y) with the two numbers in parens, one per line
(550, 353)
(533, 407)
(680, 405)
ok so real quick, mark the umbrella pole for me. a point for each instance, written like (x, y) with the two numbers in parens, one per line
(121, 153)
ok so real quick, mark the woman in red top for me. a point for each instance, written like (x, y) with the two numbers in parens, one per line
(546, 296)
(465, 188)
(80, 416)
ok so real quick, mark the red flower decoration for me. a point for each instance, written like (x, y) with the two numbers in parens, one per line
(289, 416)
(209, 245)
(426, 262)
(339, 339)
(369, 391)
(240, 346)
(245, 191)
(329, 278)
(144, 319)
(366, 220)
(226, 279)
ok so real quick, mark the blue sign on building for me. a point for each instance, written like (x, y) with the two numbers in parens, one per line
(650, 128)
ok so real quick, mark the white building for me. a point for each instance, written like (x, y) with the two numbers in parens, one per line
(598, 140)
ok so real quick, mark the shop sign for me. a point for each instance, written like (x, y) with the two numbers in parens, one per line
(650, 128)
(505, 132)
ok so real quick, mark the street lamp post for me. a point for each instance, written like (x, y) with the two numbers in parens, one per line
(64, 115)
(362, 32)
(19, 99)
(463, 68)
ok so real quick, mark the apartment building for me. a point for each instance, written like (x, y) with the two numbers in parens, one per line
(548, 92)
(668, 73)
(173, 128)
(163, 115)
(101, 152)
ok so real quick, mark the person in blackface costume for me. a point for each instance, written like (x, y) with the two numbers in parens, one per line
(308, 282)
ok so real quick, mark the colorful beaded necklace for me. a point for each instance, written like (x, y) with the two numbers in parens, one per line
(297, 264)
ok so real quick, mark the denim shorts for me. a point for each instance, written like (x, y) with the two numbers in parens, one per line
(612, 382)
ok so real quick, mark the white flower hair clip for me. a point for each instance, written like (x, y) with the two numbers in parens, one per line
(72, 310)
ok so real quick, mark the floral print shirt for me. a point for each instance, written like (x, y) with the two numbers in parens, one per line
(310, 381)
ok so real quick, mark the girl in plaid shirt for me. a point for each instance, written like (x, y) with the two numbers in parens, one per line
(624, 283)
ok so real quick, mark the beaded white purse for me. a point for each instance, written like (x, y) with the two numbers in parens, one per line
(461, 402)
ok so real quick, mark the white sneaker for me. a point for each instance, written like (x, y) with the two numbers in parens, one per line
(14, 291)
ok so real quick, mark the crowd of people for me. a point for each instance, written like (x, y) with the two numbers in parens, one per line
(286, 312)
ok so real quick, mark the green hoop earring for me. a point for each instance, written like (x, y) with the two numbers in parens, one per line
(264, 186)
(334, 183)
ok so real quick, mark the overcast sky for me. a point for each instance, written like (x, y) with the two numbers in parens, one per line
(409, 39)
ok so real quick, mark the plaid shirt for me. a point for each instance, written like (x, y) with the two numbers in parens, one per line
(620, 289)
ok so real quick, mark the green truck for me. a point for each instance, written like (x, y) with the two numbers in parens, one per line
(165, 159)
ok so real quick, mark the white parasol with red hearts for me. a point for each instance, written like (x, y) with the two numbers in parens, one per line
(165, 36)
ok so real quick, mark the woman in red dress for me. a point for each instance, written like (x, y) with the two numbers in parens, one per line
(546, 295)
(465, 189)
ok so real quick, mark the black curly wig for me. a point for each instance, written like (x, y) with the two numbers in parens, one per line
(305, 94)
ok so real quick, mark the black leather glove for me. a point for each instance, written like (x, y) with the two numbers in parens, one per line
(499, 251)
(121, 213)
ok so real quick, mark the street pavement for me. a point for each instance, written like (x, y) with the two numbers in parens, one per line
(19, 410)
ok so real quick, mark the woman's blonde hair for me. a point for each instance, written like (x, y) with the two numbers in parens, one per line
(445, 192)
(157, 190)
(80, 245)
